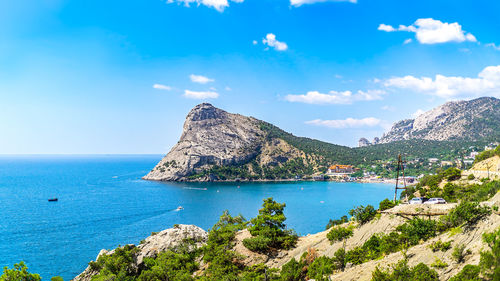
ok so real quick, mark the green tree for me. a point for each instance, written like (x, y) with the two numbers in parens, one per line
(339, 233)
(269, 230)
(19, 273)
(363, 214)
(386, 204)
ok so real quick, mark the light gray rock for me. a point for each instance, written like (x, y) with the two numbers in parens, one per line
(210, 136)
(155, 244)
(456, 120)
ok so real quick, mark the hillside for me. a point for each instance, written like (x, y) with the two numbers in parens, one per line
(217, 145)
(441, 241)
(456, 120)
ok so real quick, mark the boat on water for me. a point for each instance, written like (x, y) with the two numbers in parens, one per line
(179, 208)
(53, 200)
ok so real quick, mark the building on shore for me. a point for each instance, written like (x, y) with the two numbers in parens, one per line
(340, 170)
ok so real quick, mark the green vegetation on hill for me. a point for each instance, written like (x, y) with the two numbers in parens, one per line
(380, 158)
(487, 154)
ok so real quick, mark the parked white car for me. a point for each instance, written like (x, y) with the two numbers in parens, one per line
(435, 201)
(418, 200)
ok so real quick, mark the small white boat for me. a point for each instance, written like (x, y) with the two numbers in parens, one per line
(179, 208)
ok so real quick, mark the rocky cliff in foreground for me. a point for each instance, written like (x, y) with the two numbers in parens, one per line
(455, 120)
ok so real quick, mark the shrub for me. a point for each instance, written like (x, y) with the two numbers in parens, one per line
(269, 230)
(468, 273)
(320, 268)
(440, 246)
(459, 253)
(452, 174)
(363, 214)
(466, 213)
(401, 271)
(56, 278)
(490, 259)
(438, 263)
(339, 233)
(417, 229)
(19, 273)
(333, 223)
(386, 204)
(292, 271)
(471, 177)
(356, 256)
(339, 259)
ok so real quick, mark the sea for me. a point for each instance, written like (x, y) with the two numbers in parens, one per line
(103, 203)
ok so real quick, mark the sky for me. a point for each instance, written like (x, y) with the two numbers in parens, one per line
(106, 77)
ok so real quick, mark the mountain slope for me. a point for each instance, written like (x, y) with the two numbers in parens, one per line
(217, 145)
(456, 120)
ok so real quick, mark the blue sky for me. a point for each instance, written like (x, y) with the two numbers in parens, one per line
(120, 76)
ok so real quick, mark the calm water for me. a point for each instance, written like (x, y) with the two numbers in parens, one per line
(104, 203)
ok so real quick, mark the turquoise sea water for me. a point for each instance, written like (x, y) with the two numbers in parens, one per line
(104, 203)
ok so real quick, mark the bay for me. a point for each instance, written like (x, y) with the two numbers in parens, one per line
(104, 203)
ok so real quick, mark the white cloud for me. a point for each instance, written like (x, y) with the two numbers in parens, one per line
(386, 28)
(255, 42)
(271, 41)
(417, 113)
(200, 79)
(219, 5)
(200, 95)
(487, 82)
(346, 123)
(162, 87)
(493, 45)
(298, 3)
(431, 31)
(227, 88)
(334, 97)
(407, 41)
(387, 108)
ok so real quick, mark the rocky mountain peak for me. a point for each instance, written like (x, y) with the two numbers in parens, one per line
(211, 136)
(205, 111)
(468, 120)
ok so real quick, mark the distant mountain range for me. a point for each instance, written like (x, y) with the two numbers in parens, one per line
(456, 120)
(217, 145)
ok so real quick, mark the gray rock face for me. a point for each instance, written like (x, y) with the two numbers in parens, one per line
(457, 120)
(210, 136)
(363, 142)
(155, 244)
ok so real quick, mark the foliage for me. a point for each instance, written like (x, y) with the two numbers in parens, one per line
(471, 177)
(468, 273)
(119, 265)
(438, 263)
(440, 246)
(386, 204)
(269, 230)
(56, 278)
(169, 265)
(452, 174)
(402, 272)
(363, 214)
(339, 259)
(466, 213)
(459, 253)
(332, 223)
(487, 154)
(490, 259)
(19, 273)
(320, 268)
(339, 233)
(417, 229)
(292, 271)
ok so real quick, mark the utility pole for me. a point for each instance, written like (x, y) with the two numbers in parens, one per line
(400, 168)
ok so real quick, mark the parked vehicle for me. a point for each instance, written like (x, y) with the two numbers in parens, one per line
(435, 201)
(418, 200)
